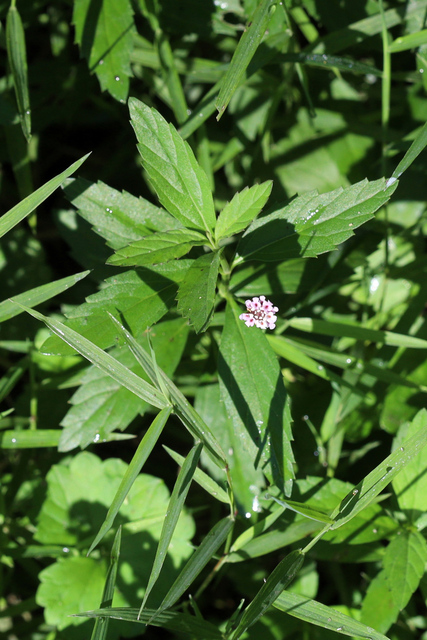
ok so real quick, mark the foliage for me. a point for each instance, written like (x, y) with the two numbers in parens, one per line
(281, 154)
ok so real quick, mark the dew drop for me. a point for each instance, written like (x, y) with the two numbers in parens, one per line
(340, 628)
(65, 550)
(101, 62)
(402, 448)
(349, 360)
(355, 492)
(13, 440)
(117, 78)
(350, 224)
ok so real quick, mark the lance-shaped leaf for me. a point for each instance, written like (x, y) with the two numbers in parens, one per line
(26, 206)
(103, 360)
(158, 247)
(248, 44)
(176, 505)
(278, 580)
(105, 33)
(255, 398)
(242, 209)
(196, 293)
(323, 616)
(313, 224)
(180, 183)
(17, 57)
(101, 624)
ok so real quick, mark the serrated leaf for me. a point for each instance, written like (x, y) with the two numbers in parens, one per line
(278, 580)
(245, 50)
(105, 38)
(142, 296)
(404, 564)
(158, 247)
(323, 616)
(101, 405)
(116, 216)
(242, 209)
(180, 183)
(410, 485)
(28, 204)
(313, 224)
(255, 398)
(196, 293)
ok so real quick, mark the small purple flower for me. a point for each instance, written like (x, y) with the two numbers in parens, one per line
(261, 313)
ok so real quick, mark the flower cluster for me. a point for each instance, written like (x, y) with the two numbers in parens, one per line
(261, 313)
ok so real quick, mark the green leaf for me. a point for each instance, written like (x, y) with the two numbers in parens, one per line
(180, 183)
(145, 447)
(410, 485)
(33, 297)
(256, 530)
(178, 622)
(196, 293)
(255, 399)
(203, 554)
(17, 57)
(26, 206)
(103, 360)
(101, 624)
(247, 481)
(29, 439)
(357, 332)
(176, 504)
(202, 478)
(313, 224)
(322, 616)
(304, 510)
(248, 44)
(330, 62)
(278, 580)
(367, 490)
(417, 146)
(404, 563)
(410, 41)
(242, 209)
(158, 247)
(183, 409)
(105, 38)
(117, 216)
(101, 405)
(142, 297)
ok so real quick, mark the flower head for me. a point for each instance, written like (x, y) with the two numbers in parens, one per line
(260, 313)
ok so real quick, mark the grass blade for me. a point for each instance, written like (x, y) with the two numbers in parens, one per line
(101, 624)
(413, 152)
(26, 206)
(244, 52)
(205, 552)
(357, 332)
(202, 478)
(33, 297)
(103, 360)
(176, 505)
(368, 489)
(322, 616)
(183, 409)
(278, 580)
(17, 57)
(144, 449)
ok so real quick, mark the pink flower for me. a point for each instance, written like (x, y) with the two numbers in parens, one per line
(261, 313)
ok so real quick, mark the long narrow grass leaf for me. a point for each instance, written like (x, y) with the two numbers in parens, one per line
(183, 409)
(176, 505)
(17, 57)
(33, 297)
(145, 447)
(179, 622)
(26, 206)
(248, 44)
(413, 152)
(103, 360)
(203, 554)
(206, 482)
(278, 580)
(101, 624)
(322, 616)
